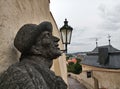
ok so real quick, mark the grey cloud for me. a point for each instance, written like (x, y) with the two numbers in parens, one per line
(89, 23)
(111, 26)
(78, 43)
(78, 33)
(78, 30)
(94, 38)
(111, 18)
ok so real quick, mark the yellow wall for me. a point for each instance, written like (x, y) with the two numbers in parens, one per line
(13, 15)
(107, 78)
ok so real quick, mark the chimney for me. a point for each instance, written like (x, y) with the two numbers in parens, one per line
(103, 57)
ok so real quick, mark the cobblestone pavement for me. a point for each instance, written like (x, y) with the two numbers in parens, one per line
(74, 84)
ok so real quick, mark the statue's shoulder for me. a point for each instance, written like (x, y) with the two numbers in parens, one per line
(16, 76)
(14, 70)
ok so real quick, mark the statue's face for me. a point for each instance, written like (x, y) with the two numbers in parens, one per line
(47, 45)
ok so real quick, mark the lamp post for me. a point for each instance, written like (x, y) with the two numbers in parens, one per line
(66, 33)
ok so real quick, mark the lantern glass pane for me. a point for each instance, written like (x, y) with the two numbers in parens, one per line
(63, 34)
(66, 36)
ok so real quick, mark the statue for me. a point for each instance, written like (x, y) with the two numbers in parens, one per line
(38, 48)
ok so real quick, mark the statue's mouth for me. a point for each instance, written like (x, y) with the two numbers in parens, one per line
(56, 45)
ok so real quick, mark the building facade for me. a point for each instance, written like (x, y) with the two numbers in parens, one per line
(101, 68)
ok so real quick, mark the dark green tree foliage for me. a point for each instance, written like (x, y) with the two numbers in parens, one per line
(74, 68)
(78, 60)
(78, 68)
(68, 56)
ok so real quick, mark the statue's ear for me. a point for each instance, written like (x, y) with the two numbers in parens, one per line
(36, 50)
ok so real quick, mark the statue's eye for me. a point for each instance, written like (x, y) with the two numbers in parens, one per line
(48, 35)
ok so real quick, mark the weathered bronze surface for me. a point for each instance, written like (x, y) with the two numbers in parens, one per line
(38, 48)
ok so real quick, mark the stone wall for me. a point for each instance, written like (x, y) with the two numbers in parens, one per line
(13, 15)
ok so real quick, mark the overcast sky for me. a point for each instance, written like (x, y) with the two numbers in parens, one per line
(90, 19)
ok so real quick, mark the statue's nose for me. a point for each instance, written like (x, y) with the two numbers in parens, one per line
(56, 39)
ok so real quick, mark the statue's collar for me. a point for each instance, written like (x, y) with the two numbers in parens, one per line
(39, 60)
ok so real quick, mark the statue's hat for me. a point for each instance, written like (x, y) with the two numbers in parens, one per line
(28, 34)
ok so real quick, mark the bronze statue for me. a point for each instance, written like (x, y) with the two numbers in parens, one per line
(38, 48)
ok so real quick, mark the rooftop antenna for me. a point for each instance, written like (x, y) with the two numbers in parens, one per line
(109, 39)
(96, 42)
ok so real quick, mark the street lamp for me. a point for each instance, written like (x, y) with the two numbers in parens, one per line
(66, 33)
